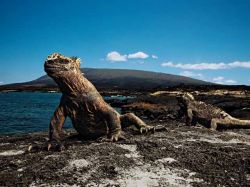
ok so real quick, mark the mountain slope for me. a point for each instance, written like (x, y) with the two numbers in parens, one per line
(118, 79)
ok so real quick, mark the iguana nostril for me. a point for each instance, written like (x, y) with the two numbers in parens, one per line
(50, 62)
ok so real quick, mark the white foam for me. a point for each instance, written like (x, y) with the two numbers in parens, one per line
(11, 152)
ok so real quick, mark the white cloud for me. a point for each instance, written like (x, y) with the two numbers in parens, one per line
(238, 64)
(154, 57)
(114, 56)
(139, 54)
(191, 74)
(229, 81)
(222, 80)
(201, 66)
(208, 66)
(1, 82)
(218, 80)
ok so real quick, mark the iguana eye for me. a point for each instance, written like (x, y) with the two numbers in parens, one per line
(64, 62)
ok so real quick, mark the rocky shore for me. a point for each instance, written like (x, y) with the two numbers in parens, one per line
(179, 156)
(162, 105)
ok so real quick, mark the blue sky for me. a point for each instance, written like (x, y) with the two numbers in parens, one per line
(208, 40)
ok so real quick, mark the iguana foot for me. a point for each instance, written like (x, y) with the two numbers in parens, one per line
(197, 126)
(116, 136)
(60, 147)
(147, 128)
(41, 147)
(35, 146)
(211, 129)
(152, 129)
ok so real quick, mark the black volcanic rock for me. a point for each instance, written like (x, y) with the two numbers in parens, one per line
(116, 79)
(179, 156)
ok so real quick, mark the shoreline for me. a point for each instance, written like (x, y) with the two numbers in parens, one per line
(180, 156)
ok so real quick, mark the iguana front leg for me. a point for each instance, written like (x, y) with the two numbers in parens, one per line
(114, 126)
(213, 125)
(216, 121)
(189, 117)
(55, 126)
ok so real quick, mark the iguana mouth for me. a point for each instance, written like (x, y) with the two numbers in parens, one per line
(53, 65)
(51, 69)
(58, 69)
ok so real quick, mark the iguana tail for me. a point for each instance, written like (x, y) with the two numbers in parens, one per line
(131, 119)
(240, 122)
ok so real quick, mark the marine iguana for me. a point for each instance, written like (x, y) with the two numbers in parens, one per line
(200, 111)
(91, 116)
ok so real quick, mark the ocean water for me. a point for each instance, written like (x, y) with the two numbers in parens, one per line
(26, 112)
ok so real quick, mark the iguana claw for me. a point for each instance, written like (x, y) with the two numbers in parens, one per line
(59, 147)
(147, 129)
(114, 137)
(49, 146)
(30, 147)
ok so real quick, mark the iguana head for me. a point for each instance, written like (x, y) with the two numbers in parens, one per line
(188, 96)
(56, 65)
(185, 97)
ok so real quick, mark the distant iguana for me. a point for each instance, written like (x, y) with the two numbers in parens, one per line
(197, 110)
(91, 116)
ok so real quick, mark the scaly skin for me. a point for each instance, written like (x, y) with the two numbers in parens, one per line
(91, 116)
(196, 110)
